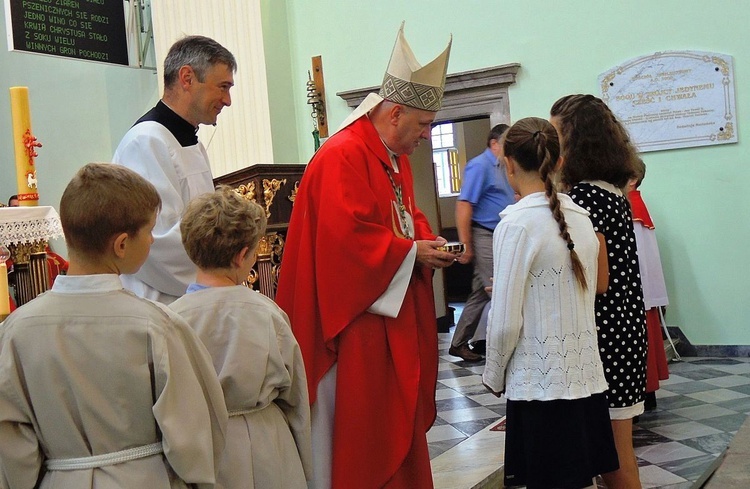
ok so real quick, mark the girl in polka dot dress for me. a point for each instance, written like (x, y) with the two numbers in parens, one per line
(542, 348)
(598, 160)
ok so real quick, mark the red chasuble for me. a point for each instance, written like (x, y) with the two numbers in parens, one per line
(343, 247)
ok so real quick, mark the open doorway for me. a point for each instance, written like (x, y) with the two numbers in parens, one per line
(438, 166)
(453, 145)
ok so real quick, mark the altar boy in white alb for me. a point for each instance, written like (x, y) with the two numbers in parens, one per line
(163, 147)
(99, 388)
(255, 354)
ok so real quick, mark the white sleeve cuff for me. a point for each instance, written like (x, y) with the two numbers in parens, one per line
(389, 304)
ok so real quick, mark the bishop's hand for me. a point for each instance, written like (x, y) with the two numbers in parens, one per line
(429, 255)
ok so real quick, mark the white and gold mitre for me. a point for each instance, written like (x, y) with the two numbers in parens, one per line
(409, 83)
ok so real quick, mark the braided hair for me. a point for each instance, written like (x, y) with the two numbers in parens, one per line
(533, 144)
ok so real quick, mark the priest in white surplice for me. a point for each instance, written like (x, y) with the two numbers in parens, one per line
(163, 147)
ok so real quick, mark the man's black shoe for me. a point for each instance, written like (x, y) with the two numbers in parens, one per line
(464, 352)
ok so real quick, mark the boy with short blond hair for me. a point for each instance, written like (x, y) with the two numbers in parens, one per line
(99, 388)
(255, 355)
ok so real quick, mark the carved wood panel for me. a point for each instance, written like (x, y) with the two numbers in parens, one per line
(273, 187)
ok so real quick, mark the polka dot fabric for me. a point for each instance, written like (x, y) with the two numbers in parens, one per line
(620, 319)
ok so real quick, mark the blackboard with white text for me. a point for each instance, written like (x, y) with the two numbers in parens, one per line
(92, 30)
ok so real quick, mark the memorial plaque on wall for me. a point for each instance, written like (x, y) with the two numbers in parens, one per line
(674, 99)
(93, 30)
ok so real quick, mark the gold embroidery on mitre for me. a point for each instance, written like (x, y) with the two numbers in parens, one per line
(412, 94)
(409, 83)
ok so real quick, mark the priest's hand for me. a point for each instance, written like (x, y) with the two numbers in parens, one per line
(429, 255)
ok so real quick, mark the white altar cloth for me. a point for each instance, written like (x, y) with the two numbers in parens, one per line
(25, 225)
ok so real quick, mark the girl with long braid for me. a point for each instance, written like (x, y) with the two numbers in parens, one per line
(598, 162)
(542, 351)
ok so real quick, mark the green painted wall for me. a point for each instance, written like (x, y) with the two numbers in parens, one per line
(282, 97)
(696, 196)
(79, 112)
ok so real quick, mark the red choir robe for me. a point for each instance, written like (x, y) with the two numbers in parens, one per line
(56, 264)
(343, 247)
(11, 302)
(640, 212)
(657, 367)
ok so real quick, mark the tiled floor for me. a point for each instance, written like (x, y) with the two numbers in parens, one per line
(699, 409)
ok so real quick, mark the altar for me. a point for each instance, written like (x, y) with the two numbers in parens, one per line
(26, 231)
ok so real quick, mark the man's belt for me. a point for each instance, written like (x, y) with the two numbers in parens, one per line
(477, 225)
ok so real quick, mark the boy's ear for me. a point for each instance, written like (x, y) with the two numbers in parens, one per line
(240, 257)
(120, 244)
(632, 184)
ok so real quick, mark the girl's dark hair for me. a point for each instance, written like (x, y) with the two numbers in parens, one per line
(533, 144)
(595, 145)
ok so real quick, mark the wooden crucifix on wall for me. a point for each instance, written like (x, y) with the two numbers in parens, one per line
(317, 99)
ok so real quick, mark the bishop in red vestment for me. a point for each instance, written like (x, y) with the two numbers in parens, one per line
(356, 282)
